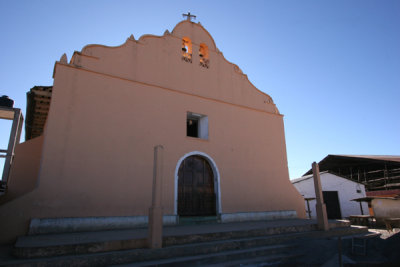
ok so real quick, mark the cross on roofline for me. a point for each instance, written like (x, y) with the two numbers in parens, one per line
(189, 16)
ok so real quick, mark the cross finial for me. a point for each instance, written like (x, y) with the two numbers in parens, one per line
(189, 16)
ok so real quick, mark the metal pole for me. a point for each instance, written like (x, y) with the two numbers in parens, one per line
(386, 177)
(340, 251)
(365, 176)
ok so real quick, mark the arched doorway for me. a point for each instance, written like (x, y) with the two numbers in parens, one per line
(196, 194)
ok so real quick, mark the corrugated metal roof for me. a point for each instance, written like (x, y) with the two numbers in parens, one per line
(338, 160)
(310, 176)
(376, 172)
(375, 157)
(37, 108)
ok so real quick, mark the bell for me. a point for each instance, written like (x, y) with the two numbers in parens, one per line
(5, 101)
(184, 49)
(201, 55)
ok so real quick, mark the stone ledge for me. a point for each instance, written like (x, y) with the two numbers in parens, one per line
(258, 216)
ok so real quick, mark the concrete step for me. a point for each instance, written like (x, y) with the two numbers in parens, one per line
(200, 249)
(95, 242)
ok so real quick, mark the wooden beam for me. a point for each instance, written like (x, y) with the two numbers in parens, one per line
(42, 93)
(42, 105)
(6, 114)
(42, 99)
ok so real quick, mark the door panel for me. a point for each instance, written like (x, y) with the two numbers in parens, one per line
(196, 195)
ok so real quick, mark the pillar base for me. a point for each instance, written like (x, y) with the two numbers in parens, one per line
(322, 217)
(155, 227)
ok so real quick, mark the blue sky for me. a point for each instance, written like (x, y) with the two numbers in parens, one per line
(332, 67)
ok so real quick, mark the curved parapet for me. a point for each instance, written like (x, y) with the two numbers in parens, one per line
(185, 59)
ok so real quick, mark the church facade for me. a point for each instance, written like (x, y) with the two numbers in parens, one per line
(223, 139)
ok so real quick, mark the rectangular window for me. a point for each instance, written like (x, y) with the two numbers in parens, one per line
(192, 127)
(197, 125)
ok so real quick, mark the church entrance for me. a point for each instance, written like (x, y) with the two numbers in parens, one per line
(196, 194)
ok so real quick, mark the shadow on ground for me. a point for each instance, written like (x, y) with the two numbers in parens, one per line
(380, 250)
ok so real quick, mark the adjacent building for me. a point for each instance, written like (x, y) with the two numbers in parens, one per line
(379, 173)
(337, 193)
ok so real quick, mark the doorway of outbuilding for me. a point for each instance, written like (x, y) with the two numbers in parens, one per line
(331, 199)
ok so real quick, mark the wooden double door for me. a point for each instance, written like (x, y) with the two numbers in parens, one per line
(196, 193)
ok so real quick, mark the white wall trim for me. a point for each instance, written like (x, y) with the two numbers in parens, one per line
(215, 170)
(203, 127)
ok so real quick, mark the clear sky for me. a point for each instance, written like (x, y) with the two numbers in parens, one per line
(332, 67)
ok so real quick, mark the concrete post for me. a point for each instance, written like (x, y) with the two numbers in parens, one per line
(156, 210)
(13, 141)
(320, 206)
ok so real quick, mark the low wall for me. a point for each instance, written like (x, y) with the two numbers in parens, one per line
(24, 171)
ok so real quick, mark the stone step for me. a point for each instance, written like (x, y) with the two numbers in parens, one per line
(198, 220)
(94, 242)
(271, 254)
(274, 253)
(275, 260)
(179, 251)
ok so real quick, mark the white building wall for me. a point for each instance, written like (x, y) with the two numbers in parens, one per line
(347, 190)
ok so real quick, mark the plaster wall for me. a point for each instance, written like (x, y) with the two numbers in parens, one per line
(347, 190)
(106, 140)
(111, 106)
